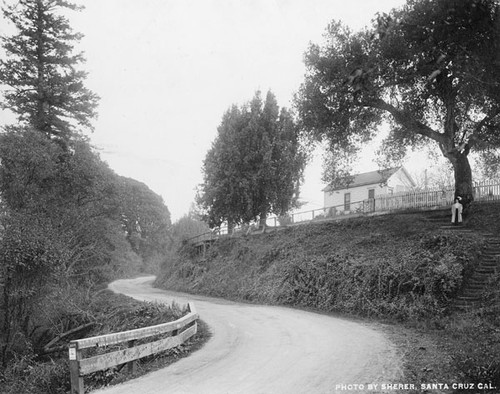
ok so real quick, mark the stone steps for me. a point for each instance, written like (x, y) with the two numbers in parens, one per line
(486, 269)
(475, 285)
(466, 305)
(490, 251)
(460, 229)
(469, 299)
(474, 288)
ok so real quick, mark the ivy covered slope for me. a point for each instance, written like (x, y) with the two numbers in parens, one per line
(401, 266)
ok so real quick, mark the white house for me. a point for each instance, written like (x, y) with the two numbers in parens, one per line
(365, 187)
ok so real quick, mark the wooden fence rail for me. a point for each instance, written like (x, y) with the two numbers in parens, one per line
(179, 331)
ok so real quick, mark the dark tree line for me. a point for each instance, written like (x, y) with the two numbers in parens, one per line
(67, 221)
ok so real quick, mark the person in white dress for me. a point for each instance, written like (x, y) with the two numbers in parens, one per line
(456, 212)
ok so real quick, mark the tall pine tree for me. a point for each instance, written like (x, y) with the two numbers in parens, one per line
(44, 87)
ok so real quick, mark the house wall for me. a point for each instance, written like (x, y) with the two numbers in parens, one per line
(397, 183)
(358, 193)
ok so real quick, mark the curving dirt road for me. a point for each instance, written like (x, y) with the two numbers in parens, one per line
(265, 349)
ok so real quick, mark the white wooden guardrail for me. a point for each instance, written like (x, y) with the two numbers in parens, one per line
(179, 330)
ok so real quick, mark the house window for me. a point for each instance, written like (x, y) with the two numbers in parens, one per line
(371, 194)
(347, 201)
(391, 191)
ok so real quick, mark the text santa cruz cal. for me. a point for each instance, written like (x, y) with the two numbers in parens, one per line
(457, 386)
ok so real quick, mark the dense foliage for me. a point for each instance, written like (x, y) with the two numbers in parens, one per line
(255, 164)
(65, 223)
(187, 227)
(430, 69)
(68, 223)
(111, 313)
(146, 221)
(376, 267)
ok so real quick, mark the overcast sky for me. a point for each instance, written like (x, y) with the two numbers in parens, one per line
(166, 70)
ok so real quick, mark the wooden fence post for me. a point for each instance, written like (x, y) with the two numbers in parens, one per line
(80, 365)
(77, 386)
(131, 365)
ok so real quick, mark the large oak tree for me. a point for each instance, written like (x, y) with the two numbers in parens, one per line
(431, 69)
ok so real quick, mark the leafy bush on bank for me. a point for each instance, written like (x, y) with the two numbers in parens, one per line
(394, 267)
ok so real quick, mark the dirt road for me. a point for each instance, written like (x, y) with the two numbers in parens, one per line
(264, 349)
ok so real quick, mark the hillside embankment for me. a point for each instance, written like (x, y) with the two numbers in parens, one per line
(402, 271)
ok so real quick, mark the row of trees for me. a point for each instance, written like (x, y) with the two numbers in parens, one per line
(430, 70)
(67, 221)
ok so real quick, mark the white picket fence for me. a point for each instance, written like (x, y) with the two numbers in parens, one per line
(487, 190)
(483, 191)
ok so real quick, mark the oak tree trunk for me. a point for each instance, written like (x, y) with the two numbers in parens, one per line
(262, 221)
(230, 227)
(463, 178)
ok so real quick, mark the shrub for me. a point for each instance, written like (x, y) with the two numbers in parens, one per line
(29, 373)
(388, 267)
(476, 344)
(27, 376)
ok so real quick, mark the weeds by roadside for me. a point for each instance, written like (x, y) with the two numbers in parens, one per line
(35, 374)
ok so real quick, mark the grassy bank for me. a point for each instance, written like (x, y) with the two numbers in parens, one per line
(401, 269)
(110, 312)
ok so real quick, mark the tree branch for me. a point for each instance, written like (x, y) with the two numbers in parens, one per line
(49, 347)
(406, 120)
(485, 120)
(474, 138)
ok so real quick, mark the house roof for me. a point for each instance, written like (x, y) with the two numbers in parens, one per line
(368, 178)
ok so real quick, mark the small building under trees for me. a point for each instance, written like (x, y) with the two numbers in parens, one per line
(367, 186)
